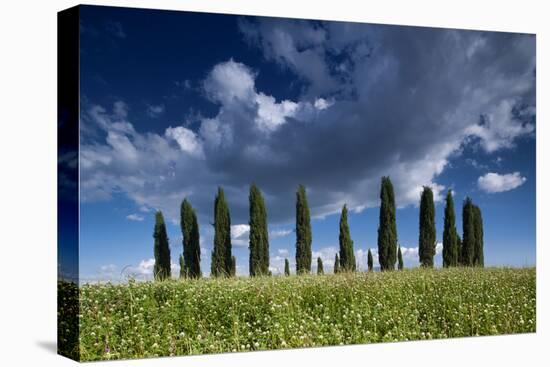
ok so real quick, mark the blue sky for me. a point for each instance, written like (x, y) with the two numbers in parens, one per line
(174, 104)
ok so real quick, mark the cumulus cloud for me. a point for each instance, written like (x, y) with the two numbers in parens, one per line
(135, 217)
(186, 139)
(493, 182)
(144, 270)
(377, 100)
(501, 125)
(240, 234)
(327, 256)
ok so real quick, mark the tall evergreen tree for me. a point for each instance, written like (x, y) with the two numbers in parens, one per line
(259, 240)
(458, 249)
(183, 271)
(161, 270)
(221, 254)
(336, 264)
(450, 244)
(387, 229)
(287, 267)
(303, 233)
(468, 235)
(191, 240)
(320, 270)
(399, 259)
(370, 264)
(347, 257)
(426, 236)
(233, 270)
(478, 231)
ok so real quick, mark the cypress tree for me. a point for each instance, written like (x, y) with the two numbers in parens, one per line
(468, 235)
(233, 271)
(287, 267)
(426, 237)
(458, 249)
(191, 240)
(399, 259)
(259, 240)
(161, 269)
(370, 264)
(320, 270)
(221, 254)
(303, 233)
(347, 257)
(336, 264)
(478, 231)
(387, 229)
(450, 248)
(183, 272)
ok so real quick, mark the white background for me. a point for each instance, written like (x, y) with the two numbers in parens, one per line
(28, 182)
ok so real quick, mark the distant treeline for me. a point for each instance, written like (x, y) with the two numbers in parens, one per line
(465, 251)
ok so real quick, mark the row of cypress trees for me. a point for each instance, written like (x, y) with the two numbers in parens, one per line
(465, 252)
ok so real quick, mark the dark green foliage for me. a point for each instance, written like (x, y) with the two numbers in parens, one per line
(68, 310)
(259, 240)
(387, 229)
(426, 236)
(191, 241)
(303, 233)
(233, 270)
(458, 249)
(161, 269)
(370, 264)
(399, 259)
(320, 270)
(478, 231)
(347, 257)
(221, 254)
(451, 249)
(183, 271)
(287, 268)
(468, 235)
(336, 264)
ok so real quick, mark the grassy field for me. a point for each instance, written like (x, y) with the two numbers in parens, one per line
(138, 320)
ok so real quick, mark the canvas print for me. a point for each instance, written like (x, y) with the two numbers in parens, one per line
(239, 183)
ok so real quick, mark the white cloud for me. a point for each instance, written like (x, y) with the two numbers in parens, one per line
(144, 270)
(279, 233)
(187, 140)
(493, 182)
(327, 256)
(155, 111)
(322, 104)
(271, 114)
(230, 82)
(280, 143)
(239, 234)
(499, 127)
(277, 263)
(122, 146)
(135, 217)
(144, 209)
(283, 252)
